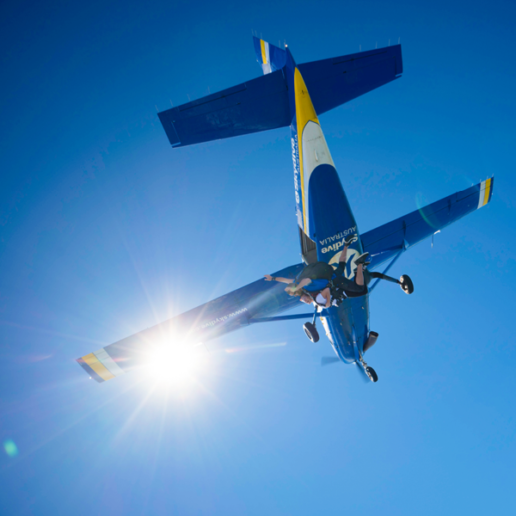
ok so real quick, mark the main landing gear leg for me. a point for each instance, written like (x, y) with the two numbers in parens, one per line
(369, 371)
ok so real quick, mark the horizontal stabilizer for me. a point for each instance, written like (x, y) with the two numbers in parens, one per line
(256, 105)
(386, 241)
(262, 104)
(335, 81)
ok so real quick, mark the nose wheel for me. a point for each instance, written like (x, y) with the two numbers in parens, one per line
(372, 374)
(369, 371)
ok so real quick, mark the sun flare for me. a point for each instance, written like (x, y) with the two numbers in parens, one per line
(172, 365)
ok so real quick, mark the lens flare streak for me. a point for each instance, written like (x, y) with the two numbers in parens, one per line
(258, 347)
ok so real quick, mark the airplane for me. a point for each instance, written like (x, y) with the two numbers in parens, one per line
(291, 95)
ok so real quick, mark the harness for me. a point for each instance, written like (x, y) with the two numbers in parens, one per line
(337, 290)
(320, 273)
(323, 275)
(314, 271)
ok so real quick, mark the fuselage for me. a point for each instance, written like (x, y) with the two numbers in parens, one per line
(347, 327)
(324, 215)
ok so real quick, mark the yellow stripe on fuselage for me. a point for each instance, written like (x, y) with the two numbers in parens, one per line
(98, 367)
(305, 113)
(264, 54)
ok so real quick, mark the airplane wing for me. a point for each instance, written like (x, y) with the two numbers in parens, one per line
(262, 299)
(262, 104)
(385, 242)
(199, 325)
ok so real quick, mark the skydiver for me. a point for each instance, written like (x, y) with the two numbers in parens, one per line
(344, 287)
(319, 291)
(313, 287)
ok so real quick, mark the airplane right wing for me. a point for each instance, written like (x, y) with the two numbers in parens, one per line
(385, 242)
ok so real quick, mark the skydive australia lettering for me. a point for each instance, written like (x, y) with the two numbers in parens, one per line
(222, 319)
(337, 239)
(295, 162)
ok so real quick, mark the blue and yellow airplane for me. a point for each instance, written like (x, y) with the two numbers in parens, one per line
(294, 95)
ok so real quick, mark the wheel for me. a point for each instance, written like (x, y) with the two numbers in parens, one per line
(311, 331)
(406, 284)
(372, 374)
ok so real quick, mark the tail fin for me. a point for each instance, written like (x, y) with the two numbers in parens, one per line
(270, 57)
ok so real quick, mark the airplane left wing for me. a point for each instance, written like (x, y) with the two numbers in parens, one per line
(199, 325)
(385, 242)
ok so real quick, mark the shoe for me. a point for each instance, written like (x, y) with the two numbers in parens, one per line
(406, 284)
(362, 259)
(350, 239)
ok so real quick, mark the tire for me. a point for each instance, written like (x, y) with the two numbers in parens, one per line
(311, 331)
(406, 284)
(372, 374)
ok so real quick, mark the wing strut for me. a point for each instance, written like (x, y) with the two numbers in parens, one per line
(286, 317)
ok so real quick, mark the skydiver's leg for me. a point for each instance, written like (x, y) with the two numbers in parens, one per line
(359, 275)
(343, 255)
(379, 275)
(347, 242)
(404, 282)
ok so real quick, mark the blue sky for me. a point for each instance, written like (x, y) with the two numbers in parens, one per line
(105, 230)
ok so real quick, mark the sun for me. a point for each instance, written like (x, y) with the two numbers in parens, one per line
(174, 365)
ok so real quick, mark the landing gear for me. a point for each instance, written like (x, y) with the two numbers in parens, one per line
(369, 371)
(406, 284)
(311, 331)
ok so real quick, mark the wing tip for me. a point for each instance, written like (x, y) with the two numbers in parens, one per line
(92, 374)
(485, 192)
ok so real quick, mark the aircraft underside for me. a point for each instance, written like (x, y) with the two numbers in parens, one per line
(291, 95)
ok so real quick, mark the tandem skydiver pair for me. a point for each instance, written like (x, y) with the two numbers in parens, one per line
(319, 283)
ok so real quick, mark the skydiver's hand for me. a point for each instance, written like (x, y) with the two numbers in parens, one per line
(268, 277)
(349, 240)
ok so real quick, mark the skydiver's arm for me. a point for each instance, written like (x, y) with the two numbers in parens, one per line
(327, 296)
(268, 277)
(302, 283)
